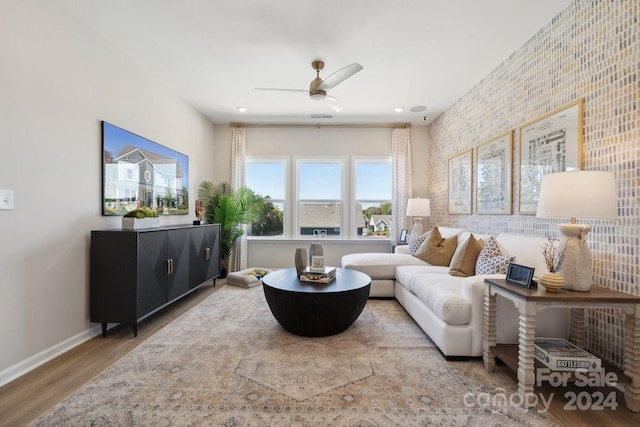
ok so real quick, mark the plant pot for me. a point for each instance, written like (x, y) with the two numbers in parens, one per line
(130, 223)
(552, 282)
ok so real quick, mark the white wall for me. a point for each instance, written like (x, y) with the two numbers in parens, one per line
(57, 82)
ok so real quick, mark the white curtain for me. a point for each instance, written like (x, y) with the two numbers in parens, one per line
(402, 179)
(238, 259)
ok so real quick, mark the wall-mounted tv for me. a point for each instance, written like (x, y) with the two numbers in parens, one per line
(138, 172)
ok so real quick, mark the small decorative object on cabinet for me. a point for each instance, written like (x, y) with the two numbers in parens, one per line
(553, 254)
(136, 273)
(140, 218)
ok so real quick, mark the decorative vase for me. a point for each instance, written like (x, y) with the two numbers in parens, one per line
(552, 282)
(315, 250)
(300, 260)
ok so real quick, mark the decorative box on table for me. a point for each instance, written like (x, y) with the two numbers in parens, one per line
(560, 355)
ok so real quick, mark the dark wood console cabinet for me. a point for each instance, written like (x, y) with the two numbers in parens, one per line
(135, 273)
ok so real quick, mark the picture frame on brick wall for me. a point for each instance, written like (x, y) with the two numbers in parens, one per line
(548, 144)
(494, 176)
(460, 174)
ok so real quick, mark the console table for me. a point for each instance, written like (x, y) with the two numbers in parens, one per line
(531, 301)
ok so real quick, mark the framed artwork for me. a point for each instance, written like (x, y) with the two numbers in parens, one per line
(137, 172)
(493, 175)
(519, 275)
(548, 144)
(459, 176)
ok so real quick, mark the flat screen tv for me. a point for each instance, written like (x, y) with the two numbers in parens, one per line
(137, 172)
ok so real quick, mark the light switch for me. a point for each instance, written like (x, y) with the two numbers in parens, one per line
(6, 199)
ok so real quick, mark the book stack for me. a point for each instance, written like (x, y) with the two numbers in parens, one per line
(560, 355)
(318, 276)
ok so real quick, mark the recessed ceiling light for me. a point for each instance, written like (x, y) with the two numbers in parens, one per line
(398, 109)
(242, 109)
(418, 109)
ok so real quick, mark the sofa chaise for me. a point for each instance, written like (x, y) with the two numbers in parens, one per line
(449, 308)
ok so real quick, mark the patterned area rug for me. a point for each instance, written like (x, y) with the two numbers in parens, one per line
(228, 362)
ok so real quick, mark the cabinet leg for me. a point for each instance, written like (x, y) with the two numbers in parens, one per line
(214, 282)
(135, 329)
(526, 368)
(104, 329)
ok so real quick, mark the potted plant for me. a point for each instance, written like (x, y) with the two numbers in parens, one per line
(140, 218)
(553, 254)
(229, 208)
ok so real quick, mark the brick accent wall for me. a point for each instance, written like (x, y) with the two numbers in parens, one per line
(591, 51)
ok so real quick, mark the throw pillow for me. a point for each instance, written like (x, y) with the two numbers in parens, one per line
(463, 264)
(491, 260)
(436, 250)
(416, 241)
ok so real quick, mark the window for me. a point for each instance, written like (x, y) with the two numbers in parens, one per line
(322, 197)
(319, 198)
(372, 197)
(268, 179)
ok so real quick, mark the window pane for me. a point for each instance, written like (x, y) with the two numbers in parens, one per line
(377, 219)
(270, 222)
(319, 219)
(267, 178)
(320, 181)
(373, 180)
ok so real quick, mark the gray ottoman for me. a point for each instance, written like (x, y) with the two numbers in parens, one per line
(245, 278)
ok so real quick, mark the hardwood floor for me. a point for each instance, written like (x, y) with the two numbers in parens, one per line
(31, 395)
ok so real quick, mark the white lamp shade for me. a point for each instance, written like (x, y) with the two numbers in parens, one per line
(418, 207)
(578, 194)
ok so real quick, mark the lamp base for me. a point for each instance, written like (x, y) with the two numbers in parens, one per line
(576, 267)
(417, 227)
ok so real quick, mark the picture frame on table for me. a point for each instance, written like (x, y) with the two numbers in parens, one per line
(520, 275)
(460, 175)
(493, 175)
(548, 144)
(403, 236)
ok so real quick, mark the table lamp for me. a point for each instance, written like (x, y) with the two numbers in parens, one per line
(418, 208)
(578, 194)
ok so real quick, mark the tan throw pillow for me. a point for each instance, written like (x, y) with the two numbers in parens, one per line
(436, 250)
(463, 264)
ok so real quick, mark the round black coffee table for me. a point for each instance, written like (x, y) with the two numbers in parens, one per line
(316, 309)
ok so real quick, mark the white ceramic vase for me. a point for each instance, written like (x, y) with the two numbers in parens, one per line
(300, 260)
(315, 250)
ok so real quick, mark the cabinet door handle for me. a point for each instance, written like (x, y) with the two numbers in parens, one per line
(207, 253)
(171, 265)
(168, 266)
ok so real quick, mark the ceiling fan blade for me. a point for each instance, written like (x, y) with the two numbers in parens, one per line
(283, 90)
(334, 103)
(340, 76)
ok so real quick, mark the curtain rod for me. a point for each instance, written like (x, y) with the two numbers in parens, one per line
(319, 125)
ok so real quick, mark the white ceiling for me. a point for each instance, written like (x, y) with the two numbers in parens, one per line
(214, 53)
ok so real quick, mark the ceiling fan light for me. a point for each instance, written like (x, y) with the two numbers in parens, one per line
(398, 109)
(317, 95)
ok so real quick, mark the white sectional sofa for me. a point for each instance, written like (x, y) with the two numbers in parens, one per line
(450, 308)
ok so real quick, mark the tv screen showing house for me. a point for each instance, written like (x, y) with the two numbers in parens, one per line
(138, 172)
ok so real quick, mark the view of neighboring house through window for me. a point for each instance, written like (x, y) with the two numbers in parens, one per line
(268, 179)
(319, 198)
(372, 197)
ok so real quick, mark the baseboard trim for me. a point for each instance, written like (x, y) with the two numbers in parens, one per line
(27, 365)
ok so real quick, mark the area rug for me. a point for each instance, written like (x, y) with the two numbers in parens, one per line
(227, 362)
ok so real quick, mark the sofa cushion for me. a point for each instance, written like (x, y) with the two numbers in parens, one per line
(526, 249)
(463, 262)
(379, 265)
(436, 250)
(491, 260)
(416, 241)
(404, 273)
(443, 295)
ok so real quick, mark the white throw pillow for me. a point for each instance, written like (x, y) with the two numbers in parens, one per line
(416, 241)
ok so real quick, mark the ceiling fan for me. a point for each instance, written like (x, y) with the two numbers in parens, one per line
(318, 88)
